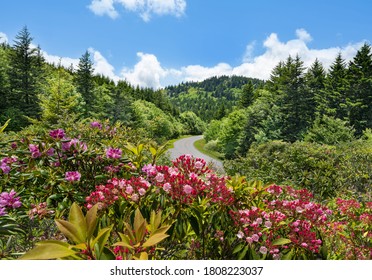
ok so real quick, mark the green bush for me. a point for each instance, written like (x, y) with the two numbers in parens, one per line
(323, 169)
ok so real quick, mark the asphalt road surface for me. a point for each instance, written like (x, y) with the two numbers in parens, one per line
(186, 146)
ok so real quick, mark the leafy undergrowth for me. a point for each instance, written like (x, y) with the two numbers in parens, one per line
(96, 196)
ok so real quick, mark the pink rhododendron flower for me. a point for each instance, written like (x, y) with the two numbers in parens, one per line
(268, 224)
(135, 197)
(57, 134)
(114, 153)
(159, 177)
(96, 124)
(240, 235)
(10, 200)
(34, 149)
(50, 152)
(167, 187)
(187, 189)
(129, 189)
(255, 237)
(263, 250)
(72, 176)
(141, 191)
(199, 165)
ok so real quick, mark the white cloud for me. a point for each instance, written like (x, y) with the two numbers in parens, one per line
(104, 7)
(64, 61)
(145, 8)
(3, 38)
(148, 72)
(102, 66)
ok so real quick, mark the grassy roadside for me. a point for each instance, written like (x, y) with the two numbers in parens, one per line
(199, 145)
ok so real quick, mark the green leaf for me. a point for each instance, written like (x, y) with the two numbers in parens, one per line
(49, 250)
(4, 126)
(162, 229)
(101, 239)
(76, 217)
(243, 253)
(281, 241)
(155, 239)
(107, 254)
(289, 255)
(195, 225)
(123, 244)
(91, 220)
(238, 248)
(139, 225)
(153, 151)
(70, 231)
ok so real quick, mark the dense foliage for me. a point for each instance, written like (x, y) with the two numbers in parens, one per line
(110, 199)
(213, 98)
(33, 91)
(84, 175)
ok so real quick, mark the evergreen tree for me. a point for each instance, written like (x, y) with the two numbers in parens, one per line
(84, 80)
(25, 75)
(360, 90)
(288, 81)
(60, 102)
(4, 82)
(336, 89)
(247, 96)
(315, 85)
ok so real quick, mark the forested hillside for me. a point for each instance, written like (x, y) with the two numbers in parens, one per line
(212, 98)
(35, 92)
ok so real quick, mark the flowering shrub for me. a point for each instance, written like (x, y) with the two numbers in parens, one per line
(205, 216)
(284, 225)
(9, 200)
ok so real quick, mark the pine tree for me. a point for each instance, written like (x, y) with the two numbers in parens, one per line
(336, 89)
(247, 96)
(4, 82)
(84, 80)
(288, 81)
(25, 75)
(315, 85)
(360, 90)
(60, 102)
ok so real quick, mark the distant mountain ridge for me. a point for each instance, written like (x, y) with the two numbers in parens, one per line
(212, 98)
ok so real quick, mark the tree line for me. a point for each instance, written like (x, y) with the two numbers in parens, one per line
(298, 104)
(33, 91)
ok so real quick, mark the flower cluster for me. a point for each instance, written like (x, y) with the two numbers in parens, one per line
(6, 163)
(34, 149)
(39, 210)
(114, 153)
(106, 195)
(57, 134)
(72, 176)
(285, 213)
(189, 178)
(76, 145)
(9, 200)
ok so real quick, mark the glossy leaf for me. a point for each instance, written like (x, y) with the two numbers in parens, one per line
(91, 220)
(281, 241)
(101, 239)
(76, 217)
(49, 250)
(155, 239)
(70, 231)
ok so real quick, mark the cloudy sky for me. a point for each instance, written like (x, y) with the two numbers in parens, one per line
(155, 43)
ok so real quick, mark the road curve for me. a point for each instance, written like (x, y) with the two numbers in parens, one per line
(186, 146)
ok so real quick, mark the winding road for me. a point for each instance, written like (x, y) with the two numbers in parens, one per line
(186, 146)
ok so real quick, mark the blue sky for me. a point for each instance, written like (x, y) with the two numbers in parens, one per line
(159, 42)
